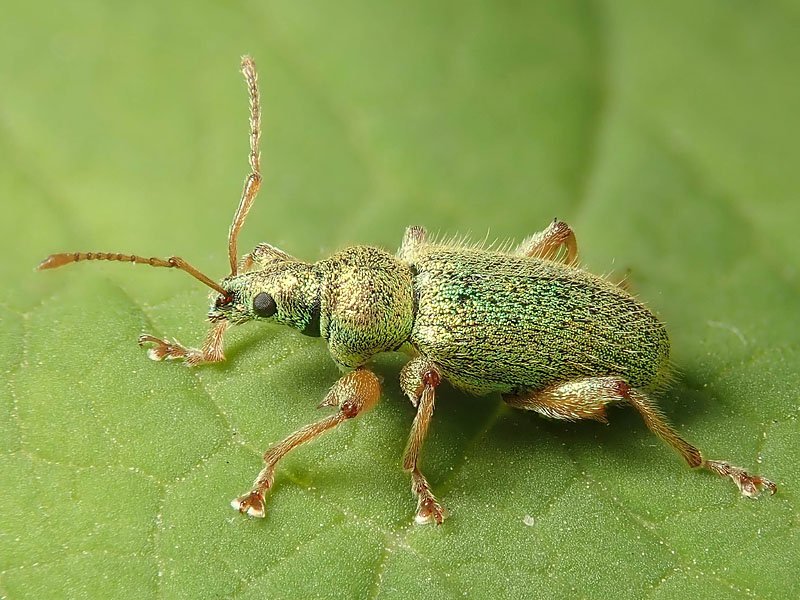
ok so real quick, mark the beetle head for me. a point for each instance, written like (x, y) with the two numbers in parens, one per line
(285, 291)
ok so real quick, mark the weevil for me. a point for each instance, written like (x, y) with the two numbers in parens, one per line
(525, 322)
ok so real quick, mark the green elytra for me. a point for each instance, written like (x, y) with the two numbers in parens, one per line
(527, 323)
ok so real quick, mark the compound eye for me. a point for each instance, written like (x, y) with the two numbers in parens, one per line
(264, 305)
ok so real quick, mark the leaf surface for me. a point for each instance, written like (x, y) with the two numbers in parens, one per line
(665, 133)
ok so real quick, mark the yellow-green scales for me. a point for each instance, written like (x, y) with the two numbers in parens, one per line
(500, 323)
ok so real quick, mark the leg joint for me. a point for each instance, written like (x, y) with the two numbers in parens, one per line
(431, 377)
(418, 374)
(349, 409)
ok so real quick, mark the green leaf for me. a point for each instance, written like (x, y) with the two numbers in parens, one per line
(665, 133)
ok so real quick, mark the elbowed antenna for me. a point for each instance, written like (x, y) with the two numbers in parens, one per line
(175, 262)
(253, 180)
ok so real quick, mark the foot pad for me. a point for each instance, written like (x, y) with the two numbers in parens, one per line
(749, 485)
(252, 504)
(430, 511)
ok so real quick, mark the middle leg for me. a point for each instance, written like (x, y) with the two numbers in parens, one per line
(419, 380)
(546, 243)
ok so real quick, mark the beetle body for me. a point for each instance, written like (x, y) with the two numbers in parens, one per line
(526, 322)
(491, 321)
(513, 324)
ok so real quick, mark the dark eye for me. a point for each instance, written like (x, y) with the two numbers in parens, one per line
(264, 305)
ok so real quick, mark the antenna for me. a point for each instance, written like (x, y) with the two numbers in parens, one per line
(253, 181)
(176, 262)
(251, 185)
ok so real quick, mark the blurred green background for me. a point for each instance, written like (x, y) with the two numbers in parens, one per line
(665, 133)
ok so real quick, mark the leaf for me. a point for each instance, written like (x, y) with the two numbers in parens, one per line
(665, 133)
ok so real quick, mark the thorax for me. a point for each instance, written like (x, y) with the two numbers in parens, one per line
(366, 303)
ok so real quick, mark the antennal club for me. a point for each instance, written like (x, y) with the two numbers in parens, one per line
(253, 181)
(175, 262)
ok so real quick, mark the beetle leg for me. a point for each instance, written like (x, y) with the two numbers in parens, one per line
(570, 401)
(354, 393)
(262, 256)
(419, 379)
(245, 263)
(413, 238)
(749, 485)
(546, 243)
(586, 398)
(211, 351)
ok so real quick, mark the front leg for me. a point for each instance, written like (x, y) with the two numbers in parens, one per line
(419, 379)
(210, 352)
(354, 393)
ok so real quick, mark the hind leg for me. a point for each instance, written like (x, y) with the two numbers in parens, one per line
(587, 398)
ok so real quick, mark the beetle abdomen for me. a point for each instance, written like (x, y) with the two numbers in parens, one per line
(499, 323)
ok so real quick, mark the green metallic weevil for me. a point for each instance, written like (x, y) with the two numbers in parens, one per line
(526, 323)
